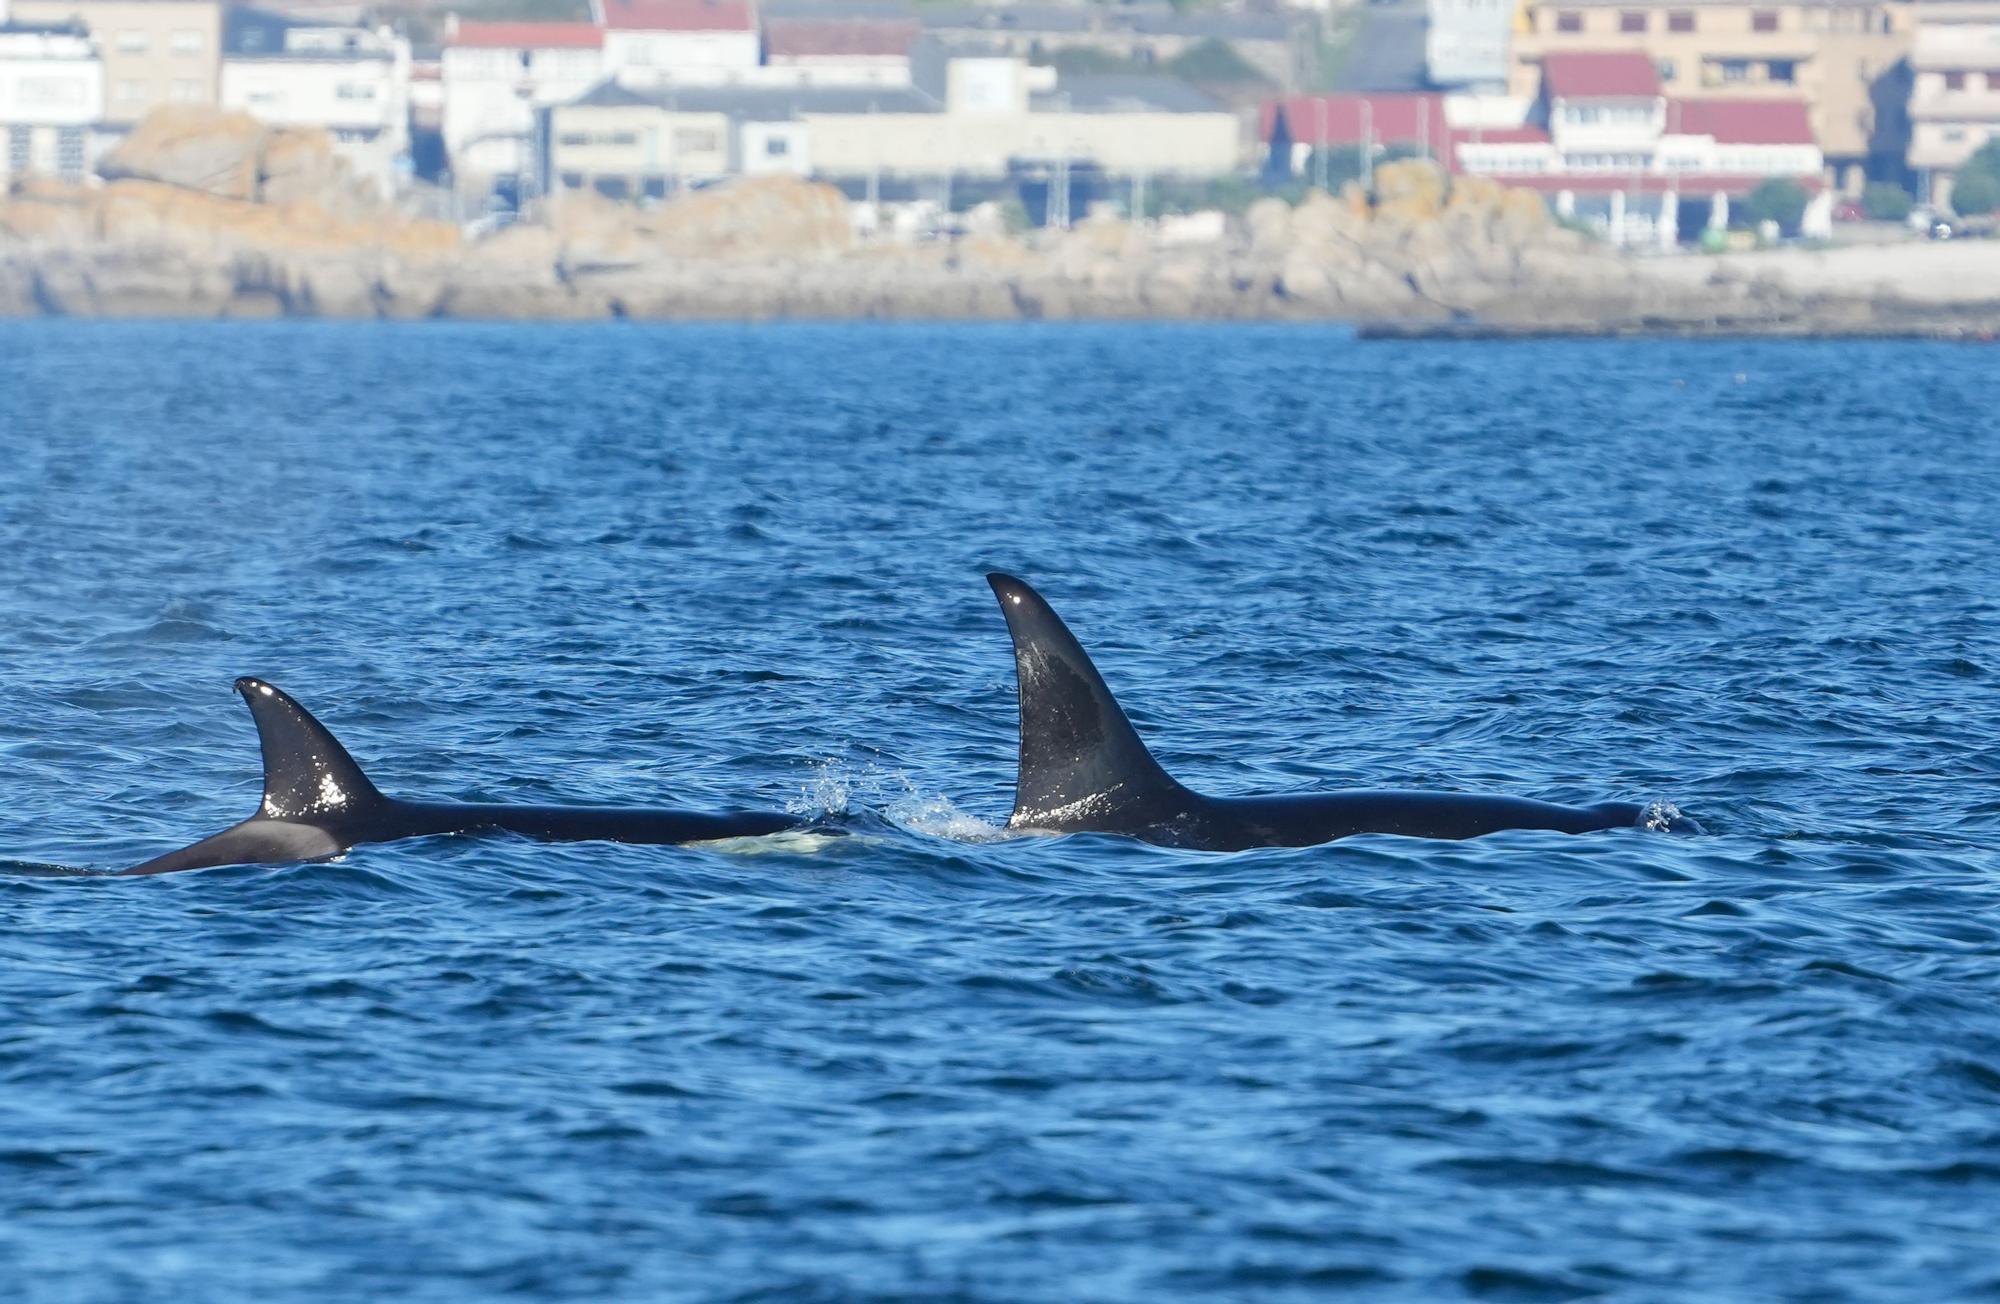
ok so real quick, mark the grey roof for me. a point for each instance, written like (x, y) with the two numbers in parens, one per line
(760, 104)
(1127, 93)
(259, 34)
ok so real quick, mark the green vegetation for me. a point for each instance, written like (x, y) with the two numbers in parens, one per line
(1781, 200)
(1976, 192)
(1216, 62)
(1885, 201)
(1082, 61)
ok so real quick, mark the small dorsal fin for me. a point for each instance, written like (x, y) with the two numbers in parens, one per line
(308, 775)
(1081, 761)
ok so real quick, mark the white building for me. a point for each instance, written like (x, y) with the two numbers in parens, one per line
(668, 40)
(1954, 92)
(496, 78)
(51, 96)
(841, 52)
(991, 124)
(351, 82)
(1466, 44)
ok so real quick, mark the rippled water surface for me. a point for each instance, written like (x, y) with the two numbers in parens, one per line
(725, 566)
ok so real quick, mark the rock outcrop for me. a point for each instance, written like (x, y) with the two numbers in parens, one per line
(214, 215)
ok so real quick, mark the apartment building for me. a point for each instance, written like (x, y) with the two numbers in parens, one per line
(353, 82)
(1466, 43)
(496, 78)
(51, 95)
(1955, 90)
(154, 51)
(660, 39)
(1844, 58)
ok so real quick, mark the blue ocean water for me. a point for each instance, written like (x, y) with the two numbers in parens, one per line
(723, 566)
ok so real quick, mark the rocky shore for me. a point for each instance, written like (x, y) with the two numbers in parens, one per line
(203, 214)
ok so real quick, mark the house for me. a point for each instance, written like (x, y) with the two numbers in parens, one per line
(154, 51)
(353, 82)
(1140, 32)
(1844, 58)
(989, 125)
(1601, 139)
(648, 40)
(51, 95)
(842, 52)
(1954, 93)
(496, 78)
(1466, 44)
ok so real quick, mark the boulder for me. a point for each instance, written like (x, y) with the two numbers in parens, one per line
(195, 147)
(1412, 189)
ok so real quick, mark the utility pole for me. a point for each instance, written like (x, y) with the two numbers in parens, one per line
(1368, 144)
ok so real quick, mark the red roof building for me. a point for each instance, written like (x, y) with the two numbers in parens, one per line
(526, 36)
(677, 15)
(791, 40)
(1742, 122)
(1593, 75)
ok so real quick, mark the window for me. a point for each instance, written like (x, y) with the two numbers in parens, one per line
(1680, 20)
(1735, 70)
(133, 42)
(777, 147)
(49, 91)
(1782, 70)
(1632, 20)
(1666, 67)
(1954, 81)
(354, 91)
(133, 92)
(572, 181)
(185, 40)
(1953, 135)
(20, 143)
(624, 138)
(572, 139)
(694, 140)
(69, 153)
(186, 90)
(1569, 20)
(1764, 20)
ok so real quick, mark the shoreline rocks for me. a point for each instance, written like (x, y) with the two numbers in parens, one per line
(237, 220)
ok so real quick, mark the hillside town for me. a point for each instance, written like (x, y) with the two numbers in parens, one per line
(1651, 122)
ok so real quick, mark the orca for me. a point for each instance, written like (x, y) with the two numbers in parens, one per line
(317, 803)
(1084, 769)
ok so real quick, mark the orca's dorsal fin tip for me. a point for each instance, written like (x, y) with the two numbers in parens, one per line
(308, 775)
(1080, 759)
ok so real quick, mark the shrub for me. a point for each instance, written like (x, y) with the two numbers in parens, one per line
(1976, 192)
(1779, 200)
(1885, 201)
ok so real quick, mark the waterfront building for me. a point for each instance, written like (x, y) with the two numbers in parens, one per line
(51, 96)
(1601, 139)
(496, 79)
(154, 52)
(350, 81)
(1466, 44)
(841, 52)
(1844, 58)
(989, 119)
(662, 40)
(1954, 92)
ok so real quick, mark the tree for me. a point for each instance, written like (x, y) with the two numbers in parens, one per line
(1781, 200)
(1215, 61)
(1885, 201)
(1975, 193)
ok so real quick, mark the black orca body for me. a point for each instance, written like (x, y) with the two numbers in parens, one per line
(1084, 769)
(318, 803)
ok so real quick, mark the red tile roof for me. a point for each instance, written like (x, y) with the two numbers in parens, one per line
(527, 36)
(1600, 76)
(1743, 122)
(680, 15)
(817, 38)
(1390, 118)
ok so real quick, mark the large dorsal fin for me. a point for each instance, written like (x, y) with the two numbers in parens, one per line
(1082, 766)
(308, 775)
